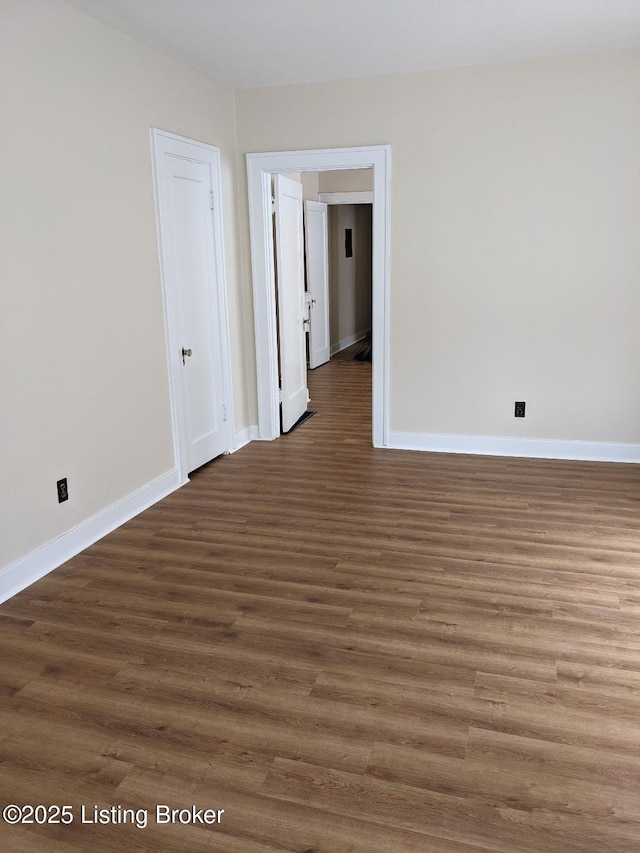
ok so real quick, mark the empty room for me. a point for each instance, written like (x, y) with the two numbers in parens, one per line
(275, 581)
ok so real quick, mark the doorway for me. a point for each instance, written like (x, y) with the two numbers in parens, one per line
(323, 274)
(260, 168)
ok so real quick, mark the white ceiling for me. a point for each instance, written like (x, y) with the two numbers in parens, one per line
(250, 43)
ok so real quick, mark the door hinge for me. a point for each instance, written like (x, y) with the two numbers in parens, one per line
(211, 200)
(224, 412)
(279, 395)
(273, 204)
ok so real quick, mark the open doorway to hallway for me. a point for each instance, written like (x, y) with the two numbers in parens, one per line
(337, 286)
(261, 167)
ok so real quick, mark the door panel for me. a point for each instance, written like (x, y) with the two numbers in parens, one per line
(192, 251)
(290, 283)
(317, 253)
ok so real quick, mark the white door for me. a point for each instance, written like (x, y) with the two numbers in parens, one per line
(291, 310)
(317, 252)
(191, 240)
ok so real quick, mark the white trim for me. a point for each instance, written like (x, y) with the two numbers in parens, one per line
(162, 141)
(260, 167)
(347, 342)
(221, 273)
(36, 565)
(587, 451)
(346, 198)
(245, 436)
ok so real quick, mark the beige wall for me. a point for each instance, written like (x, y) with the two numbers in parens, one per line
(515, 249)
(515, 256)
(333, 181)
(346, 181)
(349, 278)
(84, 376)
(309, 181)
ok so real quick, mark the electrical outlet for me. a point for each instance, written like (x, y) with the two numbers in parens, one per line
(63, 491)
(519, 410)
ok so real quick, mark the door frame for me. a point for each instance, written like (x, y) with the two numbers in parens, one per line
(260, 167)
(163, 142)
(346, 198)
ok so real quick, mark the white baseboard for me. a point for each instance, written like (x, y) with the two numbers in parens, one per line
(347, 342)
(244, 436)
(36, 565)
(587, 451)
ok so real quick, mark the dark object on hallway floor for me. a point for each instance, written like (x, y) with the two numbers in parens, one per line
(365, 352)
(304, 417)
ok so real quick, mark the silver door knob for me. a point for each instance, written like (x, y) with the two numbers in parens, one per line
(186, 353)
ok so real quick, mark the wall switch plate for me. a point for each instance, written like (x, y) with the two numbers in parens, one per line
(348, 242)
(519, 410)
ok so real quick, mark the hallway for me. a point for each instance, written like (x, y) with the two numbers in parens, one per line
(349, 650)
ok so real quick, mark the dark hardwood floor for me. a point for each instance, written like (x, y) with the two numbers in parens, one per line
(348, 650)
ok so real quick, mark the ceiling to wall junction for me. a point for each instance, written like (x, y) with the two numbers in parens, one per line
(252, 43)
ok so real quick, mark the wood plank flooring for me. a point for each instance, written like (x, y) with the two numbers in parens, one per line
(348, 650)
